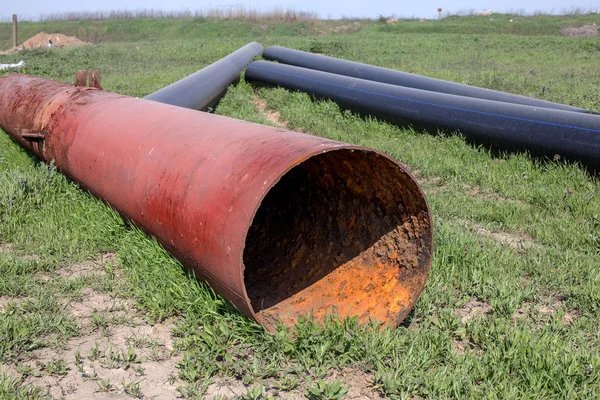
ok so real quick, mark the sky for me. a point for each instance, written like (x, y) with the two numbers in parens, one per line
(32, 9)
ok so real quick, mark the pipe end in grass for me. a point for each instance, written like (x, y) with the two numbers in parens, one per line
(346, 232)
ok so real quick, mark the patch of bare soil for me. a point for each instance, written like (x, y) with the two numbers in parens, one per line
(4, 301)
(100, 304)
(517, 241)
(429, 184)
(225, 388)
(31, 257)
(42, 39)
(99, 366)
(477, 192)
(432, 185)
(585, 30)
(464, 345)
(6, 247)
(358, 382)
(115, 350)
(119, 355)
(347, 29)
(547, 307)
(473, 308)
(271, 116)
(82, 269)
(94, 267)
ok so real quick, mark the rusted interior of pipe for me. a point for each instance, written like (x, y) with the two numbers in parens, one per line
(345, 232)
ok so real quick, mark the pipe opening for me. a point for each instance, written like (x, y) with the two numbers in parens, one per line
(344, 232)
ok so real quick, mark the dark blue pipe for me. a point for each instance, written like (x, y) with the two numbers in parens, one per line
(204, 88)
(503, 126)
(377, 74)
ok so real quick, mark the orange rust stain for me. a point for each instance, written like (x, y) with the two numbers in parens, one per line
(44, 116)
(382, 283)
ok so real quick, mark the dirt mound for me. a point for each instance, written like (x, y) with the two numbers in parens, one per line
(58, 40)
(586, 30)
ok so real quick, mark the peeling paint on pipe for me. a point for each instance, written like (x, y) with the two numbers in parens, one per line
(280, 223)
(203, 89)
(503, 126)
(384, 75)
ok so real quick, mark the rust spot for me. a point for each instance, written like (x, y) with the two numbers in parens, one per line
(84, 78)
(81, 78)
(29, 135)
(95, 80)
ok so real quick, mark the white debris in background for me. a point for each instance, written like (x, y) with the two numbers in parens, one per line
(20, 64)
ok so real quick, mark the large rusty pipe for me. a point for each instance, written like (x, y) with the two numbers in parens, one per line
(280, 223)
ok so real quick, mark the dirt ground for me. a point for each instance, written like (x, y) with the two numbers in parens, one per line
(41, 41)
(585, 30)
(119, 355)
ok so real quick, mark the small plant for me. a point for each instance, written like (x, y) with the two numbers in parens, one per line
(327, 391)
(159, 353)
(57, 368)
(254, 393)
(130, 357)
(106, 331)
(27, 370)
(99, 320)
(188, 371)
(194, 390)
(78, 359)
(112, 359)
(288, 383)
(172, 378)
(94, 353)
(132, 388)
(87, 376)
(104, 386)
(81, 370)
(138, 341)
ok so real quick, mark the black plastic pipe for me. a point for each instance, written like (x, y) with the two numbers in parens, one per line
(205, 88)
(503, 126)
(377, 74)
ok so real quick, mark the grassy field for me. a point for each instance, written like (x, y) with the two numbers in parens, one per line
(92, 306)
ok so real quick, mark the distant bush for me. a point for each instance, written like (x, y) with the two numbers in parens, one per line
(328, 47)
(382, 19)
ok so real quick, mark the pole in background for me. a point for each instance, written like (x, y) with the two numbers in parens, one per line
(15, 40)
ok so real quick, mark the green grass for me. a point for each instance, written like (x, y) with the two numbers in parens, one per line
(539, 336)
(161, 29)
(495, 24)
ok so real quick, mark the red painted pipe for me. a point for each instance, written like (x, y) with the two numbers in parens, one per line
(280, 223)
